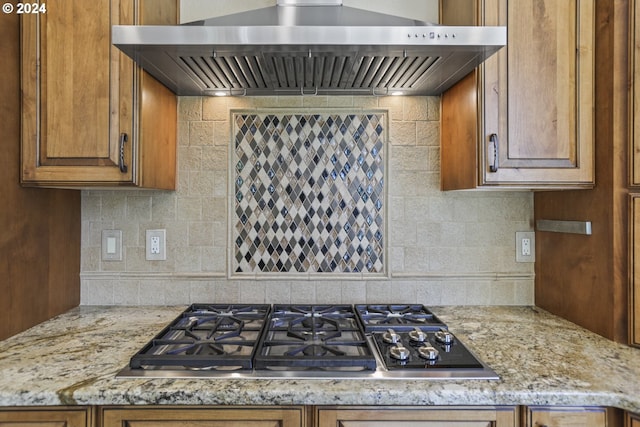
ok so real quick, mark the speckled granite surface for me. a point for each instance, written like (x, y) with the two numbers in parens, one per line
(541, 359)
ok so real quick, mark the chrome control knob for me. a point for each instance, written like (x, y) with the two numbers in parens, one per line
(444, 337)
(391, 337)
(428, 352)
(417, 335)
(399, 352)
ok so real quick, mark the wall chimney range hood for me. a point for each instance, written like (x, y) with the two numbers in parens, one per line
(308, 47)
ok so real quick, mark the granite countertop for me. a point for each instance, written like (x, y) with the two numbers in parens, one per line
(540, 358)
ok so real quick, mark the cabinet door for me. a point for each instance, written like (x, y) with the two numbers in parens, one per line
(203, 417)
(59, 417)
(534, 100)
(417, 417)
(634, 260)
(633, 420)
(565, 417)
(89, 115)
(74, 109)
(634, 52)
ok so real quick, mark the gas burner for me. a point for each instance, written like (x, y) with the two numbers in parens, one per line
(391, 337)
(444, 337)
(314, 336)
(206, 336)
(399, 352)
(401, 317)
(417, 335)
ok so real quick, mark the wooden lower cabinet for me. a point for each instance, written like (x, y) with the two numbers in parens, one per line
(46, 417)
(545, 416)
(633, 420)
(241, 416)
(398, 416)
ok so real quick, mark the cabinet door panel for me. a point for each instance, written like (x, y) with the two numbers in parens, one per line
(539, 91)
(417, 417)
(203, 417)
(416, 423)
(566, 417)
(634, 259)
(75, 62)
(44, 418)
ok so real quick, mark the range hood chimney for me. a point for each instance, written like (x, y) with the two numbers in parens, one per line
(308, 47)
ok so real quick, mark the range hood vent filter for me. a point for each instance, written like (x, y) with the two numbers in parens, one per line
(288, 74)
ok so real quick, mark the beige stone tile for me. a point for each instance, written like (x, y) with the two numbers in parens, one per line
(183, 133)
(315, 101)
(433, 106)
(214, 209)
(396, 263)
(415, 108)
(136, 259)
(428, 133)
(215, 108)
(190, 158)
(222, 133)
(201, 184)
(340, 101)
(215, 158)
(201, 291)
(303, 292)
(126, 292)
(214, 259)
(201, 133)
(220, 234)
(200, 234)
(188, 259)
(189, 108)
(277, 292)
(251, 291)
(395, 106)
(328, 292)
(289, 101)
(417, 258)
(429, 293)
(379, 290)
(97, 292)
(403, 133)
(229, 291)
(138, 208)
(354, 292)
(177, 292)
(90, 257)
(409, 158)
(189, 208)
(404, 291)
(151, 292)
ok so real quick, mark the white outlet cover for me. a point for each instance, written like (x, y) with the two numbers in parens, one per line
(521, 235)
(156, 245)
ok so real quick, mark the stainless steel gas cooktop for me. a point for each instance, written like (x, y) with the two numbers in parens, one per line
(384, 341)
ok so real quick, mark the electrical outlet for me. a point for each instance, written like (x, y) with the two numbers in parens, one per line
(112, 245)
(156, 247)
(525, 246)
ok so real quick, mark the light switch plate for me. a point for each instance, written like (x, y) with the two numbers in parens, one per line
(156, 245)
(112, 245)
(525, 246)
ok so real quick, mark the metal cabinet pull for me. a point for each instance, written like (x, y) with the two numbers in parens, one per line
(493, 153)
(123, 140)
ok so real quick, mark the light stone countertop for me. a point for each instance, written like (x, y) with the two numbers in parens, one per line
(541, 360)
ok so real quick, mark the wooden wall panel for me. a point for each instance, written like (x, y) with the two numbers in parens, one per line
(584, 278)
(39, 229)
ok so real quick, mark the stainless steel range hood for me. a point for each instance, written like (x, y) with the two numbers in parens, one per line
(308, 47)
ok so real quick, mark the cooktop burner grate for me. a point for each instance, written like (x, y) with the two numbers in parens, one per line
(314, 337)
(400, 317)
(206, 336)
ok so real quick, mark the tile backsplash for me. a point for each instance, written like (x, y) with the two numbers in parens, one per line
(308, 192)
(441, 248)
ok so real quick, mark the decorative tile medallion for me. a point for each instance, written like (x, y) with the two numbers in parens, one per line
(308, 192)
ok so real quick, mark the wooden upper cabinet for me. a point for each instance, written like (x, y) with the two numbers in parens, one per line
(565, 417)
(634, 270)
(90, 116)
(525, 118)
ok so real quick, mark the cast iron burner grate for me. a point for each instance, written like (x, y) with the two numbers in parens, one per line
(206, 336)
(400, 317)
(314, 337)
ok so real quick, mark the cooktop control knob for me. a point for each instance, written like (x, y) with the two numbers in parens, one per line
(428, 352)
(444, 337)
(391, 336)
(417, 335)
(399, 352)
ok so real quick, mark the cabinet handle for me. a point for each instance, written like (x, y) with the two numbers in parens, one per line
(493, 153)
(123, 140)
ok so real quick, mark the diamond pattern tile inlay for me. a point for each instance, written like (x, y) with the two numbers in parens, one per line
(308, 192)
